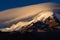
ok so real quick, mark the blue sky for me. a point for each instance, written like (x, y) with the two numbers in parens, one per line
(7, 4)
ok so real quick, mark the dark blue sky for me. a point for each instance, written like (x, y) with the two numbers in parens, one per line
(7, 4)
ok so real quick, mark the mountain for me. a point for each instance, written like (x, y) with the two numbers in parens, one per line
(17, 19)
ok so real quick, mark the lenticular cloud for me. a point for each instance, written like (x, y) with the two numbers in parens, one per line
(16, 18)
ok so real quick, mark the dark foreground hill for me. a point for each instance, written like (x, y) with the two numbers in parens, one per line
(30, 36)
